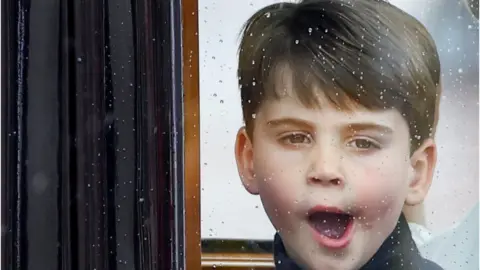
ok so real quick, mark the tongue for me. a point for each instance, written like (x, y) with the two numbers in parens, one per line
(330, 225)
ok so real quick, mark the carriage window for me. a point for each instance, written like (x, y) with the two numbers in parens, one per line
(235, 228)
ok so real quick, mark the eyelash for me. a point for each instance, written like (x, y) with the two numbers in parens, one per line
(371, 144)
(285, 138)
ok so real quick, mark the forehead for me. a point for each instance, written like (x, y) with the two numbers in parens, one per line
(300, 93)
(313, 89)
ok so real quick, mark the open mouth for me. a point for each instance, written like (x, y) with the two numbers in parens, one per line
(332, 227)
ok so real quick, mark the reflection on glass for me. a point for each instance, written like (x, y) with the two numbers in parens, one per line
(456, 248)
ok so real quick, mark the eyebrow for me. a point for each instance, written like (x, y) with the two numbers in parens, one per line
(289, 122)
(369, 126)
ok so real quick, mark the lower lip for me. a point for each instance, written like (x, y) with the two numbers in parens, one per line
(335, 243)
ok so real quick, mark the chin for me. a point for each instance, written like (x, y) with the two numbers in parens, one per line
(312, 255)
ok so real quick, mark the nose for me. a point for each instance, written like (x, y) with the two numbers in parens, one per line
(325, 167)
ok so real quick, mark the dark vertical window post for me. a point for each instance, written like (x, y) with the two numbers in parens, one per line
(92, 135)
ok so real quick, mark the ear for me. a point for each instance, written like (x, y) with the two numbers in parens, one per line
(423, 163)
(244, 157)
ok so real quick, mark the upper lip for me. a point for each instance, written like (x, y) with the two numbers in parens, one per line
(326, 209)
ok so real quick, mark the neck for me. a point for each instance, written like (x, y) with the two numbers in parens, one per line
(415, 214)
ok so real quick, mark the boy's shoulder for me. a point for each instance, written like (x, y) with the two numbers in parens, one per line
(400, 252)
(401, 262)
(429, 265)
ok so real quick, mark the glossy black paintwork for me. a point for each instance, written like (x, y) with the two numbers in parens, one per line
(92, 139)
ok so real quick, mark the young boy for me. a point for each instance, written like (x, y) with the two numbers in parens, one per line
(339, 101)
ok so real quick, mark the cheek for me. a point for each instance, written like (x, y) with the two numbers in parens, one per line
(382, 191)
(277, 173)
(273, 183)
(278, 203)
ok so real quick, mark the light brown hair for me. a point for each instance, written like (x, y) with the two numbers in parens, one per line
(366, 51)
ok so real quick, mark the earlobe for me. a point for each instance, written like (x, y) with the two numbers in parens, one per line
(423, 164)
(244, 157)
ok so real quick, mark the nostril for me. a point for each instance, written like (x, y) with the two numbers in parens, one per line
(336, 182)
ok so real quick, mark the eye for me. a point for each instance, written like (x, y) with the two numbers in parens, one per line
(363, 144)
(296, 138)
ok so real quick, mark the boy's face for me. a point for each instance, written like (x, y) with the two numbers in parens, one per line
(307, 163)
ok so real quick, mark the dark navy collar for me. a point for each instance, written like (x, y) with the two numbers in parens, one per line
(398, 251)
